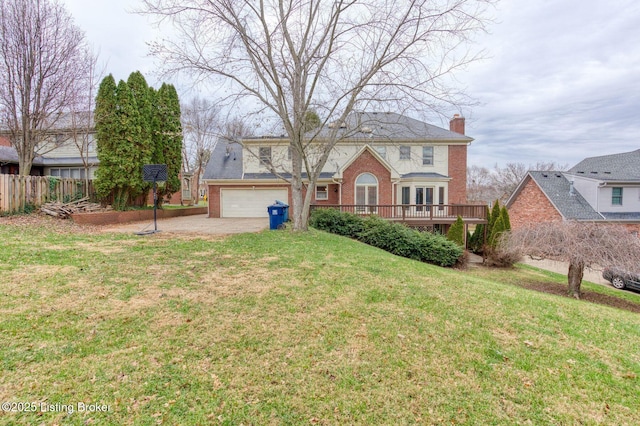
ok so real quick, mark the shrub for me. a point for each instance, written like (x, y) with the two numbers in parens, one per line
(333, 221)
(456, 232)
(392, 237)
(476, 241)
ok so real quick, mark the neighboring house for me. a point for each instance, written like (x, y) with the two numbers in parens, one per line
(60, 154)
(70, 151)
(597, 189)
(381, 159)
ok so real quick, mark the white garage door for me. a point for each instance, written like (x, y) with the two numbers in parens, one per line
(250, 202)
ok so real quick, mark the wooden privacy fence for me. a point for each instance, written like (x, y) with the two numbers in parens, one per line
(19, 192)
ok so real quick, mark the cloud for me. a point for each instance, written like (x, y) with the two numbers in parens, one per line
(562, 83)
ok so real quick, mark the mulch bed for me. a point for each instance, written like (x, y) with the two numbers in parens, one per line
(589, 296)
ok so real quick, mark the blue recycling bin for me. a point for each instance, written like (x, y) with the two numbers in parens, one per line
(286, 209)
(276, 216)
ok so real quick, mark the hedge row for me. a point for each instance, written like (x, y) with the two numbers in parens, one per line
(389, 236)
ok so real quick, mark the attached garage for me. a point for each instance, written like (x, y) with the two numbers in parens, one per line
(249, 202)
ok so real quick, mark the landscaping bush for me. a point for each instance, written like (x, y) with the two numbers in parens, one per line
(456, 232)
(389, 236)
(336, 222)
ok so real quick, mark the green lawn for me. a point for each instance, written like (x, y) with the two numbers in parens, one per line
(283, 328)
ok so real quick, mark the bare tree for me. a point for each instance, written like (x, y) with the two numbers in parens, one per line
(331, 56)
(581, 244)
(484, 185)
(201, 127)
(480, 188)
(42, 61)
(82, 125)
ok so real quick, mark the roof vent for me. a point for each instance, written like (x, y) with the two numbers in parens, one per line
(558, 175)
(545, 175)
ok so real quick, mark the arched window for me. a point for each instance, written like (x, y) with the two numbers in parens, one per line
(366, 192)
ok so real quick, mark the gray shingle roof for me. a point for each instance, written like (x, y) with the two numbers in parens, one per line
(425, 175)
(323, 175)
(8, 154)
(622, 216)
(225, 162)
(557, 188)
(389, 126)
(616, 167)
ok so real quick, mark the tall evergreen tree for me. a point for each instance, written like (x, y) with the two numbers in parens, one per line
(504, 213)
(167, 138)
(106, 129)
(142, 131)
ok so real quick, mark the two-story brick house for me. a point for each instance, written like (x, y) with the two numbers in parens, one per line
(597, 189)
(382, 159)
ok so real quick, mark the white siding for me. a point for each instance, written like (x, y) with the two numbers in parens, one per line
(344, 153)
(630, 200)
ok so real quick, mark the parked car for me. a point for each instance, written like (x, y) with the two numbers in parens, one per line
(620, 279)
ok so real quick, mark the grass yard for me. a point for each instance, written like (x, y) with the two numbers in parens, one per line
(283, 328)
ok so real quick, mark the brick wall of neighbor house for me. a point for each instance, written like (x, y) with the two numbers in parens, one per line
(367, 163)
(532, 206)
(457, 165)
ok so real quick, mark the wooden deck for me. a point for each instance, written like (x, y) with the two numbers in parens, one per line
(417, 215)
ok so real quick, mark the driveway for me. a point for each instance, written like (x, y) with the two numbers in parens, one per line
(197, 224)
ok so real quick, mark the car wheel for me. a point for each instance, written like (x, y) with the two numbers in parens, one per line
(618, 282)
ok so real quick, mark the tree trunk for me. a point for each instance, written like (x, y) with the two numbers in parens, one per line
(576, 271)
(300, 222)
(25, 155)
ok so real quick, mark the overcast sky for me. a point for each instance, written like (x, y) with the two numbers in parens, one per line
(561, 81)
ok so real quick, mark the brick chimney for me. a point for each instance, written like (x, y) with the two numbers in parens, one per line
(457, 164)
(457, 124)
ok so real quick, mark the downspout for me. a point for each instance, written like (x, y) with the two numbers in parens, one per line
(339, 189)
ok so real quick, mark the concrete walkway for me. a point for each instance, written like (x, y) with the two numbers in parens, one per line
(197, 224)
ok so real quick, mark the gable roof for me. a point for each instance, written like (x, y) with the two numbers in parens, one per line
(557, 188)
(390, 126)
(616, 167)
(375, 154)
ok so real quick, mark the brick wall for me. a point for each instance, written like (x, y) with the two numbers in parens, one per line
(458, 174)
(532, 206)
(333, 195)
(457, 165)
(367, 163)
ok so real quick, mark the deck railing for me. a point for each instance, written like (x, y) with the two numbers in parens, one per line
(430, 212)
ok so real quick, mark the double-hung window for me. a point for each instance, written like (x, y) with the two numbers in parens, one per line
(405, 152)
(427, 156)
(265, 155)
(322, 192)
(616, 196)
